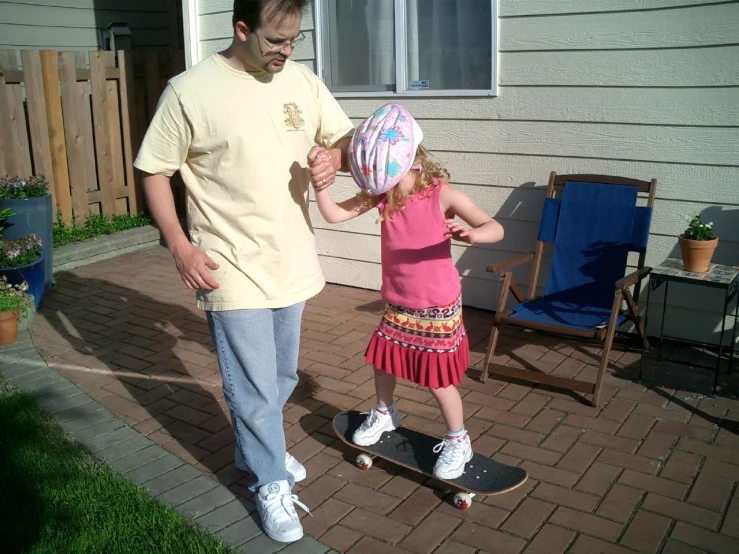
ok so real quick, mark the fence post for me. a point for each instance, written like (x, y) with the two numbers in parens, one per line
(101, 126)
(73, 133)
(58, 148)
(130, 132)
(37, 118)
(13, 121)
(6, 165)
(120, 193)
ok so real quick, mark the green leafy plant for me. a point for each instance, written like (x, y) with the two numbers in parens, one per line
(8, 304)
(13, 298)
(16, 188)
(27, 305)
(21, 251)
(95, 226)
(5, 213)
(697, 230)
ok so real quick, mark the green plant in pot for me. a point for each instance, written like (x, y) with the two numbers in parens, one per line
(16, 310)
(30, 202)
(5, 214)
(697, 244)
(22, 260)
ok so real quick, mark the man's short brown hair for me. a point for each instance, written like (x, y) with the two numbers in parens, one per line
(251, 12)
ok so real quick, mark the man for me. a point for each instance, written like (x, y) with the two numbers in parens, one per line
(242, 127)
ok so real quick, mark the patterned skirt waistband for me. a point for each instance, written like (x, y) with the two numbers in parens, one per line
(438, 329)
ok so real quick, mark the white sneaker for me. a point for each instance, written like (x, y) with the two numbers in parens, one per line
(291, 464)
(375, 425)
(295, 467)
(280, 521)
(455, 453)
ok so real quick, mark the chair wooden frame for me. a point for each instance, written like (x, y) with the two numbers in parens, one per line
(622, 291)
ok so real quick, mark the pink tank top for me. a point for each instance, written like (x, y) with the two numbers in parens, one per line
(417, 267)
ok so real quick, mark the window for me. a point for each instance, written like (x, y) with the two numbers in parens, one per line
(420, 47)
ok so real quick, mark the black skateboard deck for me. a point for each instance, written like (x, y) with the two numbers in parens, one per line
(415, 451)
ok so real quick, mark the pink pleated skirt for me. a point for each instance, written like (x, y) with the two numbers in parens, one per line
(428, 347)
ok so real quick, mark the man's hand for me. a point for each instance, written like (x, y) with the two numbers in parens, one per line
(193, 265)
(322, 168)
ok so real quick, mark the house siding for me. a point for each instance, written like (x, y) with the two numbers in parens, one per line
(74, 24)
(625, 87)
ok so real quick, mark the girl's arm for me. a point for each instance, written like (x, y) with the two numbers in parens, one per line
(343, 211)
(484, 229)
(330, 210)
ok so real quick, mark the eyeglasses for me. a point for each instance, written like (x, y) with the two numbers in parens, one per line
(280, 46)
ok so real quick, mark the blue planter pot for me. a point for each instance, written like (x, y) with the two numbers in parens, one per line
(32, 273)
(33, 215)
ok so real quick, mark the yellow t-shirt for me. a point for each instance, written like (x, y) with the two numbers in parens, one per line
(241, 143)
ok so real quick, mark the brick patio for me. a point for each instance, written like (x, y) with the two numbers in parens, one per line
(655, 469)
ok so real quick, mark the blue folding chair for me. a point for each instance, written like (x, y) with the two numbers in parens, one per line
(594, 224)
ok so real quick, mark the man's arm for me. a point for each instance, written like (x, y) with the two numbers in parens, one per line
(160, 201)
(163, 152)
(339, 154)
(192, 263)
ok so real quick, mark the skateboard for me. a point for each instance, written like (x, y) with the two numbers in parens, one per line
(414, 450)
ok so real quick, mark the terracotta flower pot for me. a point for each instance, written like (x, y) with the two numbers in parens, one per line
(8, 327)
(697, 254)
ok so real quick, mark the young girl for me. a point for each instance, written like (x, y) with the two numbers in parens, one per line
(421, 336)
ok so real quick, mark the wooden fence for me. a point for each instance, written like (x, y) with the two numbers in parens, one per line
(78, 118)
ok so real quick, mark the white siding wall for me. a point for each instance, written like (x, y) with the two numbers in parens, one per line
(74, 24)
(628, 87)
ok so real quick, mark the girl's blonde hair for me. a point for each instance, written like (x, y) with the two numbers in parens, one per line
(430, 173)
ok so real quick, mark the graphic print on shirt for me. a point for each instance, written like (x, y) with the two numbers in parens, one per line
(294, 117)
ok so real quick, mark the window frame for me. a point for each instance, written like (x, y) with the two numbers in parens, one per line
(401, 89)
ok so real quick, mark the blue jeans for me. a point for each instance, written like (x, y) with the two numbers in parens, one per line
(258, 355)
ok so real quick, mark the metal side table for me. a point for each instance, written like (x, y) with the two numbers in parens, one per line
(724, 277)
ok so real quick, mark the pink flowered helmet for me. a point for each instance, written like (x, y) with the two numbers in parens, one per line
(383, 149)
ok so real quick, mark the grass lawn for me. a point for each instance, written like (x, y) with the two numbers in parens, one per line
(56, 499)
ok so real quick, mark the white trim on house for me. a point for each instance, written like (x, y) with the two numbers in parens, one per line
(190, 28)
(401, 48)
(415, 94)
(319, 18)
(495, 23)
